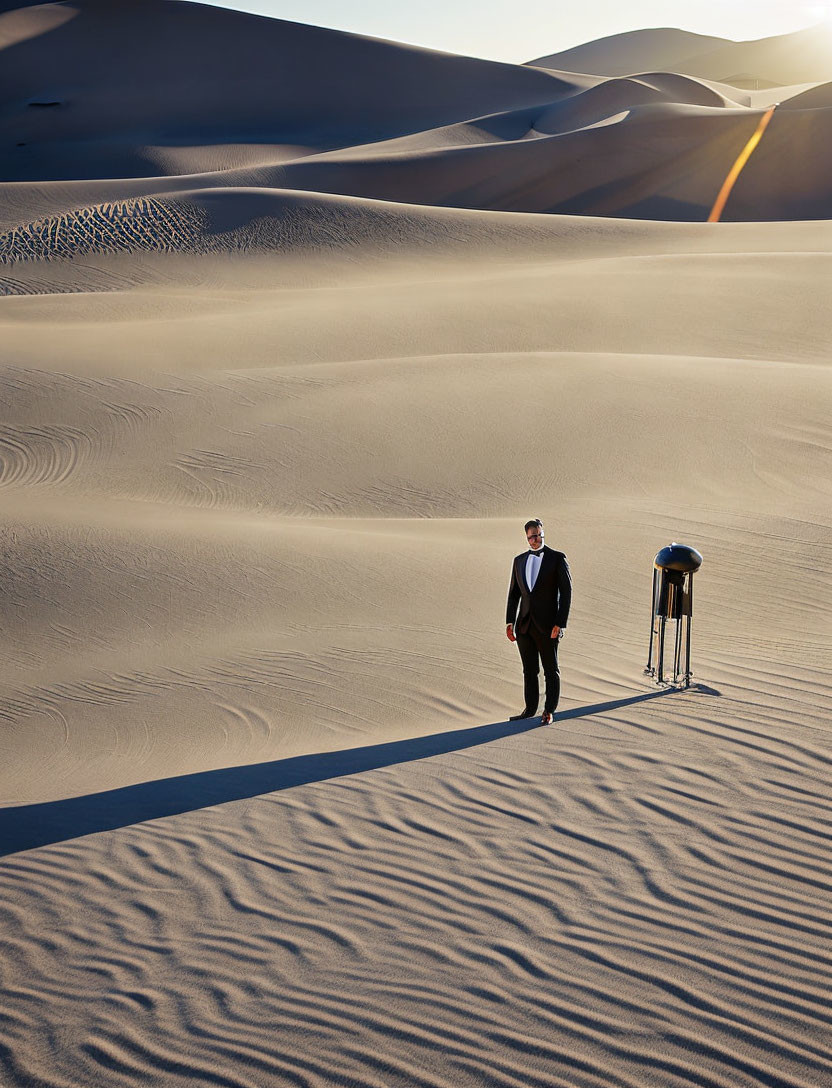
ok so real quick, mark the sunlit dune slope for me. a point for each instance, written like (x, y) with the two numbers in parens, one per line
(785, 58)
(222, 464)
(801, 56)
(633, 51)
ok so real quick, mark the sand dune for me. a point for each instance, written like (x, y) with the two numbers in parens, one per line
(781, 60)
(446, 131)
(635, 51)
(292, 86)
(813, 98)
(275, 406)
(787, 58)
(260, 510)
(653, 159)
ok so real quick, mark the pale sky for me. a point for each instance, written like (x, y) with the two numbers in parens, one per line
(519, 30)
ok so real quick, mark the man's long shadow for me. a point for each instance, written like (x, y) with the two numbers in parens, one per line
(23, 827)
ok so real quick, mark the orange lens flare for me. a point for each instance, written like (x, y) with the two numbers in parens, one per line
(739, 165)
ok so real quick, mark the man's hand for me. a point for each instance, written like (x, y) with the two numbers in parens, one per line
(555, 632)
(510, 633)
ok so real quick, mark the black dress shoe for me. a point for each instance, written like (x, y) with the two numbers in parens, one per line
(520, 717)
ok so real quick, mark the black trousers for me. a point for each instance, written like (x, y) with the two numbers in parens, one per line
(536, 649)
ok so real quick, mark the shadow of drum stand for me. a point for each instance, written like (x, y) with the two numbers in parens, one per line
(673, 571)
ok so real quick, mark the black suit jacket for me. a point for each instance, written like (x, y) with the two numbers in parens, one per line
(547, 605)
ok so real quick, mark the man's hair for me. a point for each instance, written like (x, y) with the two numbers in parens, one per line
(535, 523)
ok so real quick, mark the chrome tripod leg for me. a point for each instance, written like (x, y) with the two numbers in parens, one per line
(649, 668)
(687, 655)
(677, 651)
(690, 621)
(660, 661)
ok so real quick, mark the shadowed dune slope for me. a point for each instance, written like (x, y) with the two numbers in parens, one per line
(653, 161)
(813, 98)
(107, 91)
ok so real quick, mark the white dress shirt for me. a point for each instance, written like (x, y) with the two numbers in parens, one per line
(533, 562)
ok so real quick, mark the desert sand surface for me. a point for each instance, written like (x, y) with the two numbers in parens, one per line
(297, 329)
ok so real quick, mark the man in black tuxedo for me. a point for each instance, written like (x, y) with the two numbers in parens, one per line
(542, 586)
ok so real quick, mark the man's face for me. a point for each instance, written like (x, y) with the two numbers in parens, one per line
(535, 538)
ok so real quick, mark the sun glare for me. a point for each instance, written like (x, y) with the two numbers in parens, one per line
(821, 13)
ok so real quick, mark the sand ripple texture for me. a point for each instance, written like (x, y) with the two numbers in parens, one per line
(131, 226)
(638, 896)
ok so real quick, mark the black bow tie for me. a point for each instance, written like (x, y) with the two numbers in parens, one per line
(536, 553)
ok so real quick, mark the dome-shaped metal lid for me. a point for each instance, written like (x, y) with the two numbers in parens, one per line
(678, 557)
